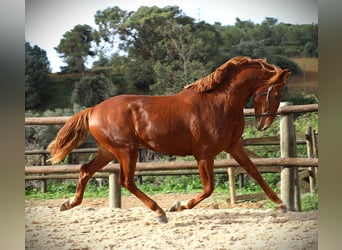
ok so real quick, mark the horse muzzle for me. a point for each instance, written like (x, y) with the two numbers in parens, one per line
(261, 124)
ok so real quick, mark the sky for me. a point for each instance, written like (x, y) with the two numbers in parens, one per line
(47, 20)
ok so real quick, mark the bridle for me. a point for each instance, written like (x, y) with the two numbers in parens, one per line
(268, 111)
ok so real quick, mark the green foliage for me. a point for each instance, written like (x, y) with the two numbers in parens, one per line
(272, 179)
(254, 49)
(303, 99)
(91, 90)
(169, 184)
(162, 49)
(169, 47)
(257, 49)
(301, 122)
(139, 76)
(75, 47)
(58, 94)
(43, 135)
(309, 201)
(311, 49)
(285, 63)
(37, 68)
(57, 189)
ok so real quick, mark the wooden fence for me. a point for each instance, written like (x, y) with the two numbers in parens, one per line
(287, 165)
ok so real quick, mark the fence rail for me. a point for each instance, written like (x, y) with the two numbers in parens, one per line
(176, 165)
(247, 112)
(170, 168)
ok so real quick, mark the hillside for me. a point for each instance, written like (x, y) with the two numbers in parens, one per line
(62, 85)
(307, 83)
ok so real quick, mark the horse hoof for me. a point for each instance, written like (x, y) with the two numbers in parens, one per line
(65, 205)
(282, 208)
(162, 219)
(175, 207)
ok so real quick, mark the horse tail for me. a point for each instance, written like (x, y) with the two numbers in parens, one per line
(70, 136)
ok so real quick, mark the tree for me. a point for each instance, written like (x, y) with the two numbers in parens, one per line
(91, 90)
(139, 76)
(310, 49)
(75, 47)
(164, 38)
(285, 63)
(37, 68)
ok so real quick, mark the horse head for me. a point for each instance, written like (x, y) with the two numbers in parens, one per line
(267, 97)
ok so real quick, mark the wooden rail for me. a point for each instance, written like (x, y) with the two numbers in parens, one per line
(269, 140)
(247, 112)
(176, 165)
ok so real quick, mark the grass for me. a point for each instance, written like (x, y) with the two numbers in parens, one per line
(57, 190)
(309, 201)
(169, 184)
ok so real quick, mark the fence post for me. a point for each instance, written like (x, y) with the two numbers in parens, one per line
(289, 188)
(114, 191)
(309, 148)
(315, 154)
(231, 180)
(44, 182)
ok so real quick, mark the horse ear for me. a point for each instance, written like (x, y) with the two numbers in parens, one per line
(280, 77)
(287, 73)
(284, 74)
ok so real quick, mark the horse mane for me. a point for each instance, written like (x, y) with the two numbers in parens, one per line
(216, 78)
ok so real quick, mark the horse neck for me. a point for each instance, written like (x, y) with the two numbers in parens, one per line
(241, 87)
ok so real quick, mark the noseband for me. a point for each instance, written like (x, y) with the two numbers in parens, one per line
(268, 111)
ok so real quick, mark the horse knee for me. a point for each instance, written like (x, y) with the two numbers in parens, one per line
(84, 172)
(128, 184)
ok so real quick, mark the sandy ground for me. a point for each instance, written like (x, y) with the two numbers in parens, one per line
(214, 224)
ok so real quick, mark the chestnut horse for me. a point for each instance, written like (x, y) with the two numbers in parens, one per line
(202, 120)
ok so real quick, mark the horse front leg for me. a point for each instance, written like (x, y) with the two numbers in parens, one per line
(205, 168)
(86, 172)
(239, 154)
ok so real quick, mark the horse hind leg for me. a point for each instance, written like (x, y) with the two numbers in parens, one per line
(126, 179)
(87, 170)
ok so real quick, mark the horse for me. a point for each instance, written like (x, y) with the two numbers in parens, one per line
(203, 119)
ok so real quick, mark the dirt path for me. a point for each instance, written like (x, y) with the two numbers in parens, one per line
(212, 225)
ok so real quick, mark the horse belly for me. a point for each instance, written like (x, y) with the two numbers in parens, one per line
(169, 142)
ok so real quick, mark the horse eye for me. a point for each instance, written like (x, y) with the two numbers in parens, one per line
(277, 96)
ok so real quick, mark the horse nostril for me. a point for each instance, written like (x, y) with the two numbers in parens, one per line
(259, 124)
(264, 128)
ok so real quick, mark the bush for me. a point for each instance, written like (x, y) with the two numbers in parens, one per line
(43, 135)
(91, 90)
(309, 201)
(303, 99)
(285, 63)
